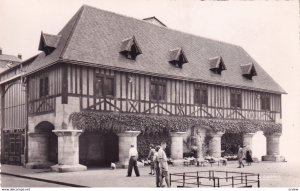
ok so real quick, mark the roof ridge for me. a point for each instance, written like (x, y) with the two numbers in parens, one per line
(79, 14)
(167, 28)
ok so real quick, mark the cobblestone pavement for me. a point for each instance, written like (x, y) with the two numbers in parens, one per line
(272, 175)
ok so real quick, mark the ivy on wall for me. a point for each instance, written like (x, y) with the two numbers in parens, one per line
(154, 124)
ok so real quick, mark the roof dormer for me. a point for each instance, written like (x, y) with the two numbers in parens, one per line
(217, 65)
(248, 70)
(48, 42)
(177, 57)
(155, 21)
(130, 48)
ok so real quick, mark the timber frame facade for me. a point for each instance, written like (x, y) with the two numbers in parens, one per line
(38, 96)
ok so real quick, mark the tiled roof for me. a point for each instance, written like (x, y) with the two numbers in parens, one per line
(8, 60)
(5, 57)
(94, 37)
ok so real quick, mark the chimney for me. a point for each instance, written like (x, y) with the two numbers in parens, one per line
(0, 51)
(20, 56)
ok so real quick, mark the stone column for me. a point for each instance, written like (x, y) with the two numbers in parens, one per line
(247, 139)
(200, 135)
(38, 150)
(68, 151)
(214, 145)
(177, 145)
(126, 139)
(273, 148)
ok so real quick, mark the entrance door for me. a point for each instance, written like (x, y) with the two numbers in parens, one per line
(13, 147)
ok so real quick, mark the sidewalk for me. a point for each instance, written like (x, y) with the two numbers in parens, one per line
(272, 175)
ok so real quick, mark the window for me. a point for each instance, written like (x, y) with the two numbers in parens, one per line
(44, 87)
(104, 86)
(130, 48)
(248, 71)
(98, 86)
(201, 96)
(265, 102)
(109, 86)
(217, 65)
(236, 100)
(177, 57)
(157, 91)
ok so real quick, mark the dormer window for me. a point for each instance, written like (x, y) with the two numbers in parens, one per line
(177, 57)
(130, 48)
(248, 70)
(48, 42)
(217, 65)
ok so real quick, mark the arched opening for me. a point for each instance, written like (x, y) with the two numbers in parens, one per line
(259, 145)
(230, 143)
(98, 148)
(47, 141)
(144, 141)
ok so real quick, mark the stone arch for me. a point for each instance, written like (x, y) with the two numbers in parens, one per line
(194, 140)
(43, 146)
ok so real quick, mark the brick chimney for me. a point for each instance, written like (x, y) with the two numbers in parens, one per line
(20, 56)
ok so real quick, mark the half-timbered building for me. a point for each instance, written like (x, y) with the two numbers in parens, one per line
(107, 81)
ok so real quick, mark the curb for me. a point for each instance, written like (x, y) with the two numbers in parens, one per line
(44, 180)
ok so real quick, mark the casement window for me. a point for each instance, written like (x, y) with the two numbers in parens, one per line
(157, 91)
(44, 87)
(236, 99)
(104, 86)
(265, 102)
(201, 95)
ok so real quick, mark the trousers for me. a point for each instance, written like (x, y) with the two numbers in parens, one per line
(133, 164)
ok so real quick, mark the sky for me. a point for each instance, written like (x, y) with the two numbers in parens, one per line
(267, 30)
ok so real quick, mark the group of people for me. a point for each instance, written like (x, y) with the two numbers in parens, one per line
(244, 153)
(158, 165)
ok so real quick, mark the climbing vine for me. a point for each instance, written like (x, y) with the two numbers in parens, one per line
(154, 124)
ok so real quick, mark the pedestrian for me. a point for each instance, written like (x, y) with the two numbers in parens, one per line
(156, 166)
(133, 156)
(249, 159)
(240, 157)
(150, 157)
(163, 164)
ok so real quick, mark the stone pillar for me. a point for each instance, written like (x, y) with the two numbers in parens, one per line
(126, 139)
(38, 151)
(273, 148)
(200, 137)
(177, 145)
(214, 145)
(68, 151)
(247, 140)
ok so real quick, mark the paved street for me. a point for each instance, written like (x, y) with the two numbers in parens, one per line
(11, 181)
(272, 175)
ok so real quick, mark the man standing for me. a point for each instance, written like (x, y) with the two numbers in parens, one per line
(240, 157)
(133, 156)
(163, 164)
(156, 166)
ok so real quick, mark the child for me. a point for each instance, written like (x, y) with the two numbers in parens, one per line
(150, 157)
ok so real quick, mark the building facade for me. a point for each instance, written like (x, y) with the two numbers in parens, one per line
(107, 81)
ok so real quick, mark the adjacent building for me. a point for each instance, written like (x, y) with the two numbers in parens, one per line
(107, 81)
